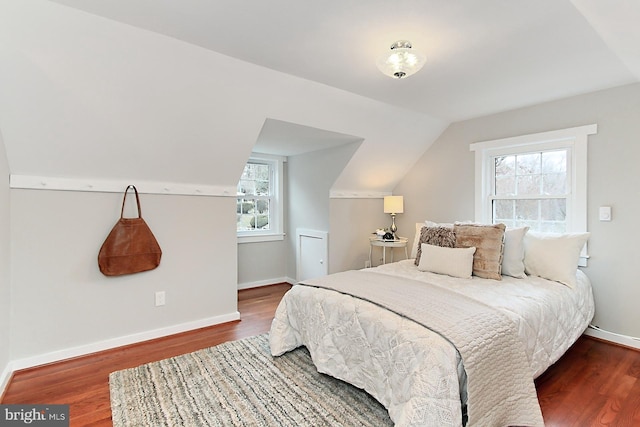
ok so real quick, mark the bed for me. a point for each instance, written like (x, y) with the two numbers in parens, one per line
(382, 330)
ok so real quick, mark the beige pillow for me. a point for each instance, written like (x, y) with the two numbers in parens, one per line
(437, 236)
(489, 243)
(456, 262)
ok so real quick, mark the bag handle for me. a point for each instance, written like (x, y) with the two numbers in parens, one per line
(125, 199)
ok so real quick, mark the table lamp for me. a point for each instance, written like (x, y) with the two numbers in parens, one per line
(393, 205)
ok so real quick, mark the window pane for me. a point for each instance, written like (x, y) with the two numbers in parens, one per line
(554, 161)
(253, 207)
(528, 185)
(552, 227)
(261, 221)
(505, 165)
(252, 214)
(554, 210)
(554, 183)
(527, 209)
(255, 180)
(545, 215)
(246, 187)
(527, 164)
(245, 206)
(261, 188)
(505, 185)
(503, 210)
(244, 214)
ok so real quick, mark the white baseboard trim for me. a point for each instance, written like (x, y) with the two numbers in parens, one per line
(259, 283)
(5, 377)
(82, 350)
(612, 337)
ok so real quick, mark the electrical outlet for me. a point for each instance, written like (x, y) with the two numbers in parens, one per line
(160, 298)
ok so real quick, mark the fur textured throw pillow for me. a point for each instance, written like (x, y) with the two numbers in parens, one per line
(437, 236)
(489, 243)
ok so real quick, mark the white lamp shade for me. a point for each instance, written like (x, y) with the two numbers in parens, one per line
(401, 61)
(393, 204)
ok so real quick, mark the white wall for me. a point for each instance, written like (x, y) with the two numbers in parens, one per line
(87, 98)
(311, 177)
(262, 263)
(5, 277)
(441, 186)
(352, 222)
(59, 299)
(308, 181)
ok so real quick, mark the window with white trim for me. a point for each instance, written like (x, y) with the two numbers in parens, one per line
(531, 189)
(537, 180)
(259, 200)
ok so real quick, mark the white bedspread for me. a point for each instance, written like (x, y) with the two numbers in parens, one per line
(415, 373)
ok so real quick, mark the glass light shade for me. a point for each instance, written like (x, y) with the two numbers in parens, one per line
(393, 204)
(401, 61)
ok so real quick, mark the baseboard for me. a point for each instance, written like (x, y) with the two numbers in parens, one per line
(82, 350)
(259, 283)
(612, 337)
(5, 378)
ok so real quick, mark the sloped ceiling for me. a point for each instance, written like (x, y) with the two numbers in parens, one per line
(163, 91)
(482, 56)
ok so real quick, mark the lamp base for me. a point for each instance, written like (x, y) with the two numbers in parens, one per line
(393, 227)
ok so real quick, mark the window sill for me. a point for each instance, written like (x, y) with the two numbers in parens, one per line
(257, 238)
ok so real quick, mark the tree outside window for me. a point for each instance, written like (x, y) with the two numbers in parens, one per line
(254, 197)
(531, 189)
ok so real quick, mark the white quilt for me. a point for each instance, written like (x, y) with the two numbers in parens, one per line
(414, 372)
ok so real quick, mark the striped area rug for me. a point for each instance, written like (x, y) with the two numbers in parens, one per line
(238, 383)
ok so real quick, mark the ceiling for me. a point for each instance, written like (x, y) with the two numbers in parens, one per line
(483, 57)
(290, 139)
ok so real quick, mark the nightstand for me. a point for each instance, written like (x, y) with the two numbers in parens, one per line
(400, 242)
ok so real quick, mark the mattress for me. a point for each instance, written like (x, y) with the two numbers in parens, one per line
(414, 372)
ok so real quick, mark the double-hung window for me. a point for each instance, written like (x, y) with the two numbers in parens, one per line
(531, 189)
(537, 180)
(259, 200)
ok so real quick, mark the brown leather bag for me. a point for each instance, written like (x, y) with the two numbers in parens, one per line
(130, 247)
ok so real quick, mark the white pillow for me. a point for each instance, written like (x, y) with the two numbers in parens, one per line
(416, 239)
(456, 262)
(554, 256)
(438, 224)
(513, 256)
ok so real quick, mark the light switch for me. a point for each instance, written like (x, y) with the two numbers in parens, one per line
(605, 213)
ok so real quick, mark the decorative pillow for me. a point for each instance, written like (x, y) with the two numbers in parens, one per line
(456, 262)
(437, 236)
(489, 243)
(513, 257)
(554, 256)
(416, 239)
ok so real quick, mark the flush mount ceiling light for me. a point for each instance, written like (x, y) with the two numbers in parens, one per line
(402, 61)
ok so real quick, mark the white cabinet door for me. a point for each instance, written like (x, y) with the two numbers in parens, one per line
(312, 254)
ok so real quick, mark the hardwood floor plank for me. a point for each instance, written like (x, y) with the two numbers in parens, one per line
(594, 384)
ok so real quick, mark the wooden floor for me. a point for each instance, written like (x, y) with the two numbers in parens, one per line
(594, 384)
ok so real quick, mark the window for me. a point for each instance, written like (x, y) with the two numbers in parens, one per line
(531, 189)
(537, 180)
(259, 200)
